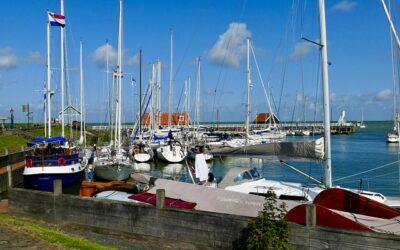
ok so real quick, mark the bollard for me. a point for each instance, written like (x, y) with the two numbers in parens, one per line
(160, 198)
(9, 174)
(311, 215)
(57, 187)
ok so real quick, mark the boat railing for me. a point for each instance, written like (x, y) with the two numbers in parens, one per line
(60, 160)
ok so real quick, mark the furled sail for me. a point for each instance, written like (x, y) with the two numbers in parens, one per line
(301, 149)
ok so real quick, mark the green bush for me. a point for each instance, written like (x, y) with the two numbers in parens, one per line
(269, 230)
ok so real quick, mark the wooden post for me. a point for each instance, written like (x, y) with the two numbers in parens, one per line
(57, 187)
(9, 173)
(22, 148)
(6, 151)
(311, 215)
(160, 198)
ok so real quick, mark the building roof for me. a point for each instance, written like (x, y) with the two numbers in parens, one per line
(177, 119)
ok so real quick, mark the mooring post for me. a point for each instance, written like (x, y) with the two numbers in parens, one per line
(9, 173)
(160, 198)
(6, 151)
(57, 187)
(311, 215)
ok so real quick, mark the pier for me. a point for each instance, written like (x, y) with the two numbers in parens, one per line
(336, 128)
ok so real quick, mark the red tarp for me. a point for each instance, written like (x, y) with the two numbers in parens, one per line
(169, 202)
(331, 203)
(325, 218)
(347, 201)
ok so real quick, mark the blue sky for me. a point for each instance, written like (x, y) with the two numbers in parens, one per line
(358, 48)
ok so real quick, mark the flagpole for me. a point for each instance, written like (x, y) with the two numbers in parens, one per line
(62, 73)
(48, 81)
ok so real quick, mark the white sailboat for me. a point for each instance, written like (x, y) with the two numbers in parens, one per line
(361, 123)
(394, 136)
(250, 181)
(141, 151)
(173, 152)
(113, 163)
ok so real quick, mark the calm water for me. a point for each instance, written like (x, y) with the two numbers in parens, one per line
(351, 154)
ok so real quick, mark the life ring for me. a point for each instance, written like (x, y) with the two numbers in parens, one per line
(61, 161)
(29, 162)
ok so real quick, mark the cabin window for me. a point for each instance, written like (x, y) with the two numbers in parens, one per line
(254, 173)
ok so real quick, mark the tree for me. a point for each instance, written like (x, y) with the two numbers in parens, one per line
(269, 230)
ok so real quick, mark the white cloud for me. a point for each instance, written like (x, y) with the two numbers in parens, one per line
(384, 95)
(100, 55)
(344, 6)
(133, 60)
(34, 57)
(8, 59)
(300, 49)
(231, 45)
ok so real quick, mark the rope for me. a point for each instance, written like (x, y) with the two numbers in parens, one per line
(367, 171)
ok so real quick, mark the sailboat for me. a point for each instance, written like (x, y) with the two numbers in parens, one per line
(394, 136)
(141, 151)
(113, 163)
(361, 123)
(250, 181)
(174, 152)
(52, 158)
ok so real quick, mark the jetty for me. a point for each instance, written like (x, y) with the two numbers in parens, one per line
(336, 128)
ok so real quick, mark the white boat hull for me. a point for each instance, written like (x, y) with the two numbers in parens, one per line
(171, 154)
(142, 157)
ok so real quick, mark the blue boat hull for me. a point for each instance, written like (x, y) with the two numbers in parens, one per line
(44, 182)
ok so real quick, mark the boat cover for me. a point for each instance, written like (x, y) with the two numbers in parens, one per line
(214, 199)
(300, 149)
(169, 202)
(55, 139)
(341, 208)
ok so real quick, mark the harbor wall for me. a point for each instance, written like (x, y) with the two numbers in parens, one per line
(202, 229)
(13, 162)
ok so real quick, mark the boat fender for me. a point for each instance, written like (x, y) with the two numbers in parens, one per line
(61, 161)
(29, 163)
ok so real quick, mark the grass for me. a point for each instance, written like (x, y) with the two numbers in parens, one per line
(48, 235)
(11, 142)
(14, 142)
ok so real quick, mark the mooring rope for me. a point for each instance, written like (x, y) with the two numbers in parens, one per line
(367, 171)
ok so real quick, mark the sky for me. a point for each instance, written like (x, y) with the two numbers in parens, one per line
(359, 53)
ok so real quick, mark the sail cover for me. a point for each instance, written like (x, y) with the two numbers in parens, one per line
(301, 149)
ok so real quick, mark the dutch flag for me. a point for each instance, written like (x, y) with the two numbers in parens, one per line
(56, 19)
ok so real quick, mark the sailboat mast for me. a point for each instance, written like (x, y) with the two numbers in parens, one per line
(392, 57)
(391, 23)
(140, 94)
(48, 92)
(62, 72)
(171, 77)
(325, 87)
(81, 87)
(119, 75)
(198, 92)
(248, 90)
(110, 91)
